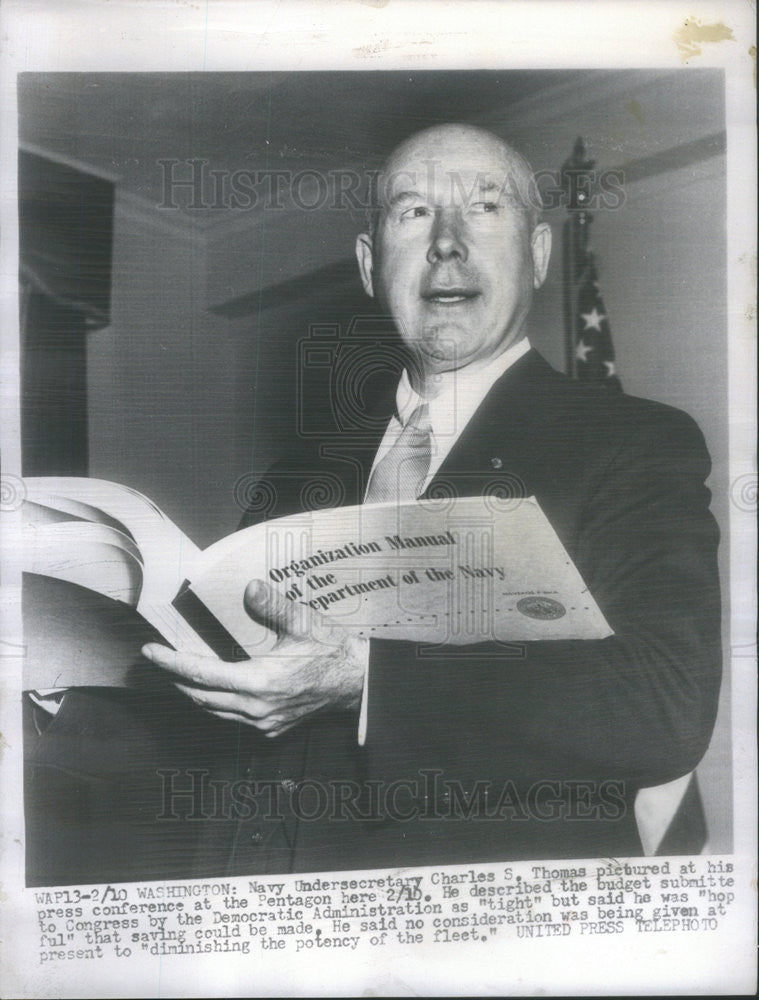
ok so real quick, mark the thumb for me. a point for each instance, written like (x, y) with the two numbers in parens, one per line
(270, 608)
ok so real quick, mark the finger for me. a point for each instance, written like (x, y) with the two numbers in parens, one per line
(252, 709)
(283, 728)
(231, 717)
(227, 707)
(207, 671)
(241, 720)
(268, 607)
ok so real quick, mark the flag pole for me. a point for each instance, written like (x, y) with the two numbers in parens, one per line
(569, 306)
(577, 187)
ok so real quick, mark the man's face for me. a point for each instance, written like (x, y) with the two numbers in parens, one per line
(454, 259)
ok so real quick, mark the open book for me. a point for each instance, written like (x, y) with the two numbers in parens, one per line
(105, 570)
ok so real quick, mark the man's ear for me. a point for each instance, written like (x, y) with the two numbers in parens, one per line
(541, 253)
(365, 258)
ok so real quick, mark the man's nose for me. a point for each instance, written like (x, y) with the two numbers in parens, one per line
(448, 241)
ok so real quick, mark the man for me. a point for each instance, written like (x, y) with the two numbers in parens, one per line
(335, 752)
(543, 750)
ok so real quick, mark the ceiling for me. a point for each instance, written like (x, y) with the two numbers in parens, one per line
(121, 124)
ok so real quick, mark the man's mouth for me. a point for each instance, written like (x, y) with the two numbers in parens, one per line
(450, 296)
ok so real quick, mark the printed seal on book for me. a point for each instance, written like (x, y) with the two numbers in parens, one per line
(541, 607)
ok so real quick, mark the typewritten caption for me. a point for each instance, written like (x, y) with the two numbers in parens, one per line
(348, 912)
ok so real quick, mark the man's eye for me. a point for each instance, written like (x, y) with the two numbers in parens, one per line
(416, 212)
(485, 206)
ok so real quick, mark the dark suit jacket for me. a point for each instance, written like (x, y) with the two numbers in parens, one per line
(489, 752)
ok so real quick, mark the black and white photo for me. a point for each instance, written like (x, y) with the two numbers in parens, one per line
(378, 512)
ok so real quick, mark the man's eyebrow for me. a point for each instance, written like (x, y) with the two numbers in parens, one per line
(503, 189)
(402, 196)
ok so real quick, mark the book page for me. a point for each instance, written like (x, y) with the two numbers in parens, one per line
(91, 555)
(457, 571)
(141, 566)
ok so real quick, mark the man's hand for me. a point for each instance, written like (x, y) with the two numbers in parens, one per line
(312, 666)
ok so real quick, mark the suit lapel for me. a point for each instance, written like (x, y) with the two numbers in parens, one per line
(497, 446)
(495, 450)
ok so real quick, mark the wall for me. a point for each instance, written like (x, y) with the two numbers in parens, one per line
(161, 377)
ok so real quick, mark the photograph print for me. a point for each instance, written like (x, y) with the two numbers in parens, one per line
(466, 333)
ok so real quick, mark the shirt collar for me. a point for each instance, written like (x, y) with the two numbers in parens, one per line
(460, 392)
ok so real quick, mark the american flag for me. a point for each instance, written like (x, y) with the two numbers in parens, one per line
(593, 350)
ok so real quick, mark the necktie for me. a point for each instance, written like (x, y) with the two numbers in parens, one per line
(401, 474)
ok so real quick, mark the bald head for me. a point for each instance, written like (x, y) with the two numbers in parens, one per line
(437, 150)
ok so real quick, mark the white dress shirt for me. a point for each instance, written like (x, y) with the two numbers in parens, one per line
(456, 396)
